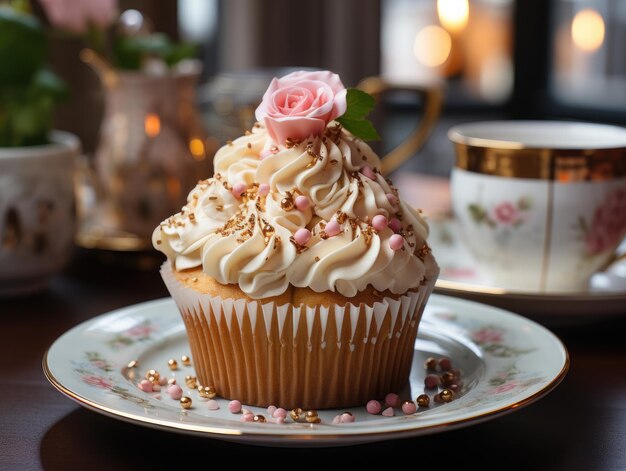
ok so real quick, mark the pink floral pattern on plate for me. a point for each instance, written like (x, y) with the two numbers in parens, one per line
(138, 333)
(102, 374)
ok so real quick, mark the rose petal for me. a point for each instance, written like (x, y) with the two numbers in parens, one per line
(279, 129)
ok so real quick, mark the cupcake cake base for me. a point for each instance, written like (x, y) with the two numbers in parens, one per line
(319, 355)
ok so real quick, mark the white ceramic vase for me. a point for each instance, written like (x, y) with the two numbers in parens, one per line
(37, 212)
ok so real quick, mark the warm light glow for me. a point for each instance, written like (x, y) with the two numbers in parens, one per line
(152, 125)
(196, 147)
(432, 46)
(453, 14)
(588, 30)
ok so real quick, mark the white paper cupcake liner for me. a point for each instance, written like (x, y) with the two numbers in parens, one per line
(299, 356)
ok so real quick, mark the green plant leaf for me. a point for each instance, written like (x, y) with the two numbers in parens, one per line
(359, 104)
(22, 46)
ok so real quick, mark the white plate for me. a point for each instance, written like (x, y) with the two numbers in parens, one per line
(507, 361)
(460, 276)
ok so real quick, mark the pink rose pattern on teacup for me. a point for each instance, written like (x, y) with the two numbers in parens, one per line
(301, 104)
(503, 214)
(608, 226)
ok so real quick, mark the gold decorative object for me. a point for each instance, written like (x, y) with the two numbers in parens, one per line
(423, 400)
(186, 360)
(186, 402)
(191, 381)
(173, 364)
(152, 151)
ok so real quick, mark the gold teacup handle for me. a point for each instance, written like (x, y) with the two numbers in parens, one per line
(433, 100)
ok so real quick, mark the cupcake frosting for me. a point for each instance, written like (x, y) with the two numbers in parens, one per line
(261, 221)
(300, 200)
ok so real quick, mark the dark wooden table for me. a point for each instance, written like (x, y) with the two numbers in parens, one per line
(579, 426)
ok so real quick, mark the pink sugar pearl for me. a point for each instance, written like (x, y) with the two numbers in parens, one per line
(156, 388)
(395, 224)
(264, 189)
(368, 172)
(234, 406)
(337, 420)
(145, 385)
(332, 228)
(270, 410)
(373, 407)
(379, 222)
(280, 420)
(175, 391)
(163, 380)
(280, 412)
(302, 202)
(409, 408)
(392, 400)
(393, 200)
(249, 417)
(238, 189)
(302, 236)
(396, 242)
(212, 404)
(347, 418)
(388, 412)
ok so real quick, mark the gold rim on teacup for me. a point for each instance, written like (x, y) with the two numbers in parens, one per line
(575, 152)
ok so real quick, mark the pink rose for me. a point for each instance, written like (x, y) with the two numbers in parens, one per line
(301, 104)
(609, 223)
(506, 214)
(97, 381)
(487, 335)
(77, 15)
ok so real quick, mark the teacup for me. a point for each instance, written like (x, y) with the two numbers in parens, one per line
(540, 204)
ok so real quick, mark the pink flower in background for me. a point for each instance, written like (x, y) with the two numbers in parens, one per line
(487, 335)
(97, 381)
(77, 15)
(506, 214)
(301, 104)
(609, 223)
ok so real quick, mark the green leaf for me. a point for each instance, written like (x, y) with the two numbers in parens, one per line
(362, 128)
(130, 51)
(359, 104)
(22, 46)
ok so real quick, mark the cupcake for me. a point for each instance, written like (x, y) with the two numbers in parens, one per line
(300, 274)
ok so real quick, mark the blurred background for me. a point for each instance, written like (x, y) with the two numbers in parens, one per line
(494, 58)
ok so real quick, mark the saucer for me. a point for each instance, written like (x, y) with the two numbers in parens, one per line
(507, 361)
(460, 276)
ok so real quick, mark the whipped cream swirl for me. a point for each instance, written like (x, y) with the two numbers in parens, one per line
(248, 239)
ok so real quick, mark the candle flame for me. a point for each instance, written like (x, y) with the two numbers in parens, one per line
(453, 14)
(152, 125)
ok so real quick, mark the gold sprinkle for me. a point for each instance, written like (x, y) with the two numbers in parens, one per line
(159, 242)
(212, 197)
(133, 364)
(317, 259)
(249, 146)
(173, 364)
(194, 279)
(186, 360)
(247, 132)
(230, 143)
